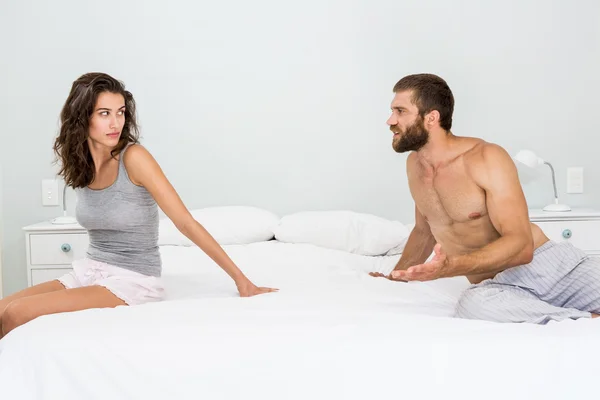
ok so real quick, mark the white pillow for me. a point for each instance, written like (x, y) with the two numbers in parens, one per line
(399, 248)
(357, 233)
(228, 225)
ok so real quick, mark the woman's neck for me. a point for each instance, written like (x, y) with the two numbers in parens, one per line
(100, 154)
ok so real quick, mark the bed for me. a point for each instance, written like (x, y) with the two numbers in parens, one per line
(332, 331)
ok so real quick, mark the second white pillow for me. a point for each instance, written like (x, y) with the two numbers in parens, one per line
(349, 231)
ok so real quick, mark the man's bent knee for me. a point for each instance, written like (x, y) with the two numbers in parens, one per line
(469, 305)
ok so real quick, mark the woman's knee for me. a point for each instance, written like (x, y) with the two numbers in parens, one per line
(14, 315)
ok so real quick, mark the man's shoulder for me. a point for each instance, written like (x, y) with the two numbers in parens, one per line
(487, 160)
(484, 152)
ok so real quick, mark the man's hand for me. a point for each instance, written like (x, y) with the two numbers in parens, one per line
(248, 289)
(390, 277)
(434, 269)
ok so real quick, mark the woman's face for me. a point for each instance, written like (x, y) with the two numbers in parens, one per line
(107, 120)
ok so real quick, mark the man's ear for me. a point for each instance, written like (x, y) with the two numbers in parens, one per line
(432, 118)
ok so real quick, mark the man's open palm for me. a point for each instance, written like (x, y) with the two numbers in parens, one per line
(428, 271)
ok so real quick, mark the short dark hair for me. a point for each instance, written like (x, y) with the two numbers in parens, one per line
(430, 92)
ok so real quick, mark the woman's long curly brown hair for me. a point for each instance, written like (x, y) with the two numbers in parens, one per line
(71, 146)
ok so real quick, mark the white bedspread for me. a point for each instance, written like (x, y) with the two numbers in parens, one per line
(332, 332)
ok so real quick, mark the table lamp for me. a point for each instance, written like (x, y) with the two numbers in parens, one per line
(531, 160)
(64, 220)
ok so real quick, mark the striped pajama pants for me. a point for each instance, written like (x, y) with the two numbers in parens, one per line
(561, 282)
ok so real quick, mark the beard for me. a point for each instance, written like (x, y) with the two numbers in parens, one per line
(412, 139)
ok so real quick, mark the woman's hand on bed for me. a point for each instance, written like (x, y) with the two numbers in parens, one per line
(433, 269)
(248, 289)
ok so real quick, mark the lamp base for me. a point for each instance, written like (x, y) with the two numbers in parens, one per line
(64, 220)
(557, 207)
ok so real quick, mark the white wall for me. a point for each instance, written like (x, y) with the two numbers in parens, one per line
(1, 231)
(283, 104)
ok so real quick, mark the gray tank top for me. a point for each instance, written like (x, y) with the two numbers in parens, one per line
(122, 224)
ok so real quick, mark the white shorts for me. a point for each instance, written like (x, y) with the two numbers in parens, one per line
(131, 287)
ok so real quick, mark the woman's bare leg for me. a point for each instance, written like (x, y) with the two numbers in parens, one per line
(45, 287)
(24, 309)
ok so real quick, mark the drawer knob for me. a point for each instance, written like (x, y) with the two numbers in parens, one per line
(66, 247)
(567, 233)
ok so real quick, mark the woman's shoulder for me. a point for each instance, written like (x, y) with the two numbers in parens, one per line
(135, 153)
(137, 161)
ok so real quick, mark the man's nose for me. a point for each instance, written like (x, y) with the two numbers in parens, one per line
(391, 120)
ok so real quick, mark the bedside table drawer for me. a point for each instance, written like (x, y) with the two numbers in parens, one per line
(45, 275)
(59, 248)
(582, 234)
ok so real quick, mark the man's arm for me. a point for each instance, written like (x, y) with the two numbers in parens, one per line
(419, 245)
(496, 173)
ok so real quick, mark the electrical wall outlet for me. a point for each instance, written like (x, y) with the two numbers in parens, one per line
(575, 180)
(49, 192)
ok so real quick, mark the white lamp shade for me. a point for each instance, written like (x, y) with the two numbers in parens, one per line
(527, 162)
(529, 158)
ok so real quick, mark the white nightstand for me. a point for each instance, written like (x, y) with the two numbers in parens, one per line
(579, 226)
(51, 249)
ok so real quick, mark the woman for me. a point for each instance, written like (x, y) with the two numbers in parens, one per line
(120, 187)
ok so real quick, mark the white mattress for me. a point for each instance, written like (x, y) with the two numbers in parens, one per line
(331, 332)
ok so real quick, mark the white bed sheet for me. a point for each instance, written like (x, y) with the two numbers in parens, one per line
(331, 332)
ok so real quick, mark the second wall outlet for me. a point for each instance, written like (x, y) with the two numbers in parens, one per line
(575, 180)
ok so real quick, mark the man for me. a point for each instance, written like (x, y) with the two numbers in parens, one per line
(472, 214)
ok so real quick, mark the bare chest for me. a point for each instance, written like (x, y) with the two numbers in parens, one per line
(448, 195)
